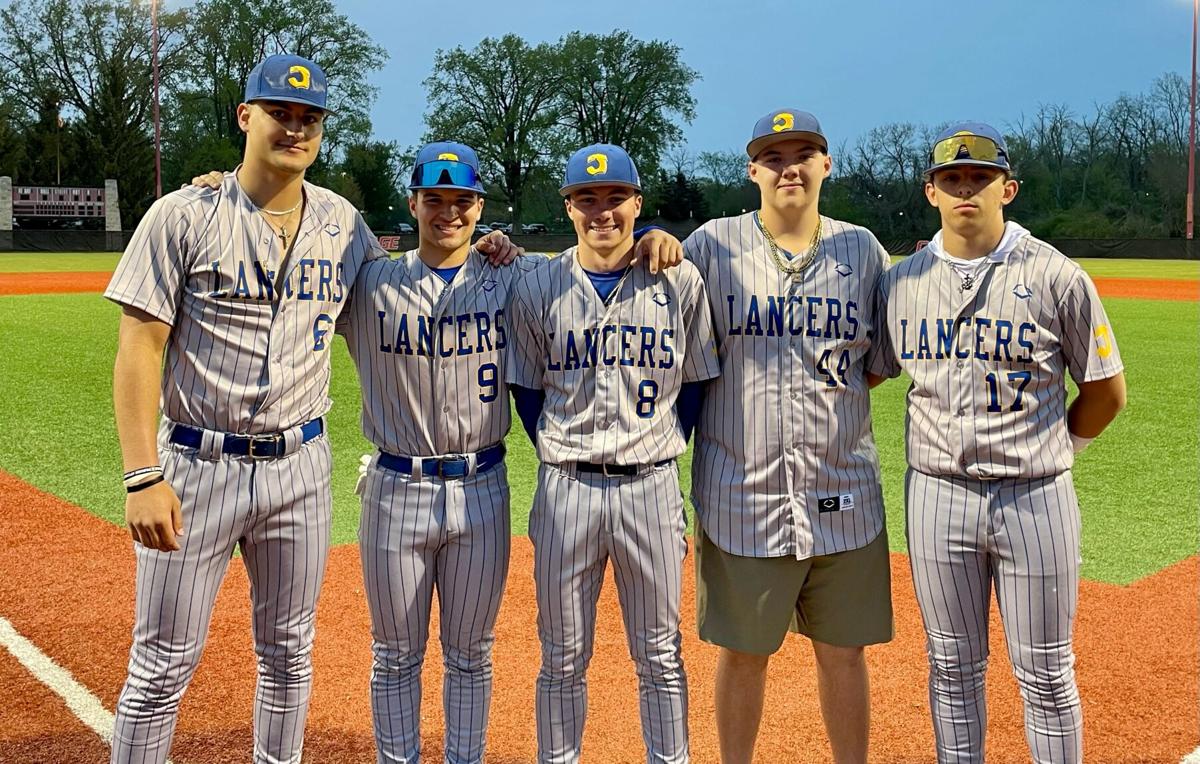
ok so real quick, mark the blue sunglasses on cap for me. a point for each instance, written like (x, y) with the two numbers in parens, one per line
(445, 173)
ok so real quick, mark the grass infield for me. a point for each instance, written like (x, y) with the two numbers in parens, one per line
(1138, 484)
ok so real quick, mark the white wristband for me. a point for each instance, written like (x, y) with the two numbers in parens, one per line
(1078, 443)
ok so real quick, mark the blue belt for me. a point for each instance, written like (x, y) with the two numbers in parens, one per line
(270, 446)
(449, 467)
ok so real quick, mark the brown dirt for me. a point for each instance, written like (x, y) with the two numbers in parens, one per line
(67, 585)
(1149, 289)
(52, 283)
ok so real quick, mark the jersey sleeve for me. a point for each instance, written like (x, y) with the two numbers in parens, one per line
(526, 360)
(700, 360)
(1087, 335)
(154, 267)
(881, 357)
(694, 249)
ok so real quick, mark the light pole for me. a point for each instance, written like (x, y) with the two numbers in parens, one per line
(1191, 189)
(157, 126)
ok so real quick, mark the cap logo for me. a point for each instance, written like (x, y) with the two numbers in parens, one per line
(448, 155)
(601, 164)
(299, 77)
(783, 121)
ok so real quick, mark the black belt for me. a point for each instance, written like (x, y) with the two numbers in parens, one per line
(449, 467)
(620, 470)
(270, 446)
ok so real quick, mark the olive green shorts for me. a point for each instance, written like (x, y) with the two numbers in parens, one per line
(748, 604)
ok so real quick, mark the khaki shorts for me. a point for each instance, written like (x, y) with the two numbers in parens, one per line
(748, 604)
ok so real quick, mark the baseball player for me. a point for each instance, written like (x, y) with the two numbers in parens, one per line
(786, 478)
(988, 321)
(604, 349)
(428, 332)
(241, 285)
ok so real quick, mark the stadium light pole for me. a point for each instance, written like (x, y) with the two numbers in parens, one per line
(1191, 189)
(157, 128)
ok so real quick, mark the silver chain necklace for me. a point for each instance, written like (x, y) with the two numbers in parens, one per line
(283, 231)
(795, 270)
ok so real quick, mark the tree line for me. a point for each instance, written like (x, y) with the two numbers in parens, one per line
(75, 108)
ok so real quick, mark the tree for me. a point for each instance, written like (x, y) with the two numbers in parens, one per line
(375, 169)
(496, 98)
(228, 38)
(91, 59)
(618, 89)
(675, 199)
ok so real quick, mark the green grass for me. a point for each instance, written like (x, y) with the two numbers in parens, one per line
(58, 262)
(1139, 483)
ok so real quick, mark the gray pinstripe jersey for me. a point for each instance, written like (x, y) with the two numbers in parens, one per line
(241, 357)
(432, 356)
(785, 460)
(610, 372)
(989, 364)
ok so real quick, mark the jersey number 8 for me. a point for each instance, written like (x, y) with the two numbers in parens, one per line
(647, 395)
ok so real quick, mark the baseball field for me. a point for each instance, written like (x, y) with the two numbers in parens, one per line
(66, 567)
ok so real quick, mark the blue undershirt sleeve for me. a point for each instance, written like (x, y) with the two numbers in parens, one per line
(529, 408)
(687, 406)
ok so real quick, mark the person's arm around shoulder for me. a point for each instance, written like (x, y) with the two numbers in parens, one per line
(657, 248)
(153, 513)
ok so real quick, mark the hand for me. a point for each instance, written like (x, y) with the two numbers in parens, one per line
(154, 517)
(659, 249)
(211, 180)
(499, 248)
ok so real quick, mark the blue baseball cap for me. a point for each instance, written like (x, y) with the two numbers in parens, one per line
(968, 143)
(601, 164)
(447, 164)
(785, 125)
(287, 78)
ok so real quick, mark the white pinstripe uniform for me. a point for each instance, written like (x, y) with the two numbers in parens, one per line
(785, 461)
(989, 493)
(432, 358)
(610, 372)
(248, 353)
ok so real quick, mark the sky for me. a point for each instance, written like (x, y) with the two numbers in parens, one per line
(855, 64)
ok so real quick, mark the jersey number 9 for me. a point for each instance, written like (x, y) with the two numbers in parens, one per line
(489, 382)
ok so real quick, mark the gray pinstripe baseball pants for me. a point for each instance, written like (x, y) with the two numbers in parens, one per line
(417, 536)
(278, 512)
(1022, 536)
(578, 523)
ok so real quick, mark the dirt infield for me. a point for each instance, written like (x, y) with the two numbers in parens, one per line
(69, 589)
(58, 283)
(53, 283)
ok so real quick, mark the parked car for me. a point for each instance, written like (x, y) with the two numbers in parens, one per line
(482, 230)
(496, 225)
(534, 228)
(403, 228)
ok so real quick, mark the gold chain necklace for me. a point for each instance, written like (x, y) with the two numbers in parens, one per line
(793, 269)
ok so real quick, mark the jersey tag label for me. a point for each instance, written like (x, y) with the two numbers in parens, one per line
(835, 503)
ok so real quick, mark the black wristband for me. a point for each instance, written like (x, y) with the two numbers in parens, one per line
(144, 486)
